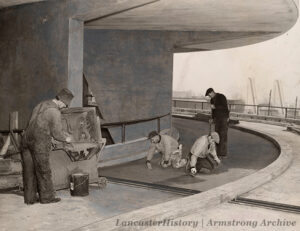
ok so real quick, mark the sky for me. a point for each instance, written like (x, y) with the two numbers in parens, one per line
(228, 71)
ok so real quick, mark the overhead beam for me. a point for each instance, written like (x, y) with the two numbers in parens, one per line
(96, 11)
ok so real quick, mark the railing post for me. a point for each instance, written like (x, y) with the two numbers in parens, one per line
(202, 105)
(257, 110)
(158, 124)
(295, 108)
(123, 133)
(14, 124)
(285, 112)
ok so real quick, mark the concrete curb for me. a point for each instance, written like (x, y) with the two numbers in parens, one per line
(209, 199)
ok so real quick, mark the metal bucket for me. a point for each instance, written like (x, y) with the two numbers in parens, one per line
(79, 184)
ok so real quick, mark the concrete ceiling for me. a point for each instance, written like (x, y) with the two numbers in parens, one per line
(7, 3)
(205, 15)
(269, 18)
(256, 20)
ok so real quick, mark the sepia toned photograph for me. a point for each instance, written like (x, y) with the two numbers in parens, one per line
(172, 115)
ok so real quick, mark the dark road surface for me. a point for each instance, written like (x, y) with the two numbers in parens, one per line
(247, 153)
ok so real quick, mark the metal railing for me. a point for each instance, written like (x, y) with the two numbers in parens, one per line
(123, 124)
(264, 110)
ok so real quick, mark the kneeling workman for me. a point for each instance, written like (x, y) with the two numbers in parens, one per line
(170, 149)
(203, 155)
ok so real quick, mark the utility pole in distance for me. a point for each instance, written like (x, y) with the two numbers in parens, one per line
(296, 107)
(269, 102)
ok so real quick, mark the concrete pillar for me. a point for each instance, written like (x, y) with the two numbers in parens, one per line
(75, 61)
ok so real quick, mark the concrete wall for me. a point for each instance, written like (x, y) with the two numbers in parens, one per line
(33, 57)
(130, 73)
(40, 48)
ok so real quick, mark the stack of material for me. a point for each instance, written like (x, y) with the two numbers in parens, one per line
(10, 163)
(10, 173)
(294, 128)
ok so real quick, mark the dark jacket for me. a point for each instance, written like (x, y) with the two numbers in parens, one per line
(221, 107)
(45, 123)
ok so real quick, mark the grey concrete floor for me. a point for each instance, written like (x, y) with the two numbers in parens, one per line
(233, 217)
(247, 154)
(75, 212)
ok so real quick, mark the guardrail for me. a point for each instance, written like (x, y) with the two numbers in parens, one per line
(263, 110)
(123, 124)
(238, 116)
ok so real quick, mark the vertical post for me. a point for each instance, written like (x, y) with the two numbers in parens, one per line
(257, 110)
(286, 112)
(279, 92)
(75, 61)
(269, 102)
(123, 133)
(14, 124)
(99, 128)
(158, 125)
(202, 105)
(295, 108)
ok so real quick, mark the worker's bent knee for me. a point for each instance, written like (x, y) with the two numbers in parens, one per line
(204, 170)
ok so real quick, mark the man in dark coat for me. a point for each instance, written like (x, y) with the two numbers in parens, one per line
(45, 124)
(220, 116)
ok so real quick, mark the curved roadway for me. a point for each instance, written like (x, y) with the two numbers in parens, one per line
(247, 154)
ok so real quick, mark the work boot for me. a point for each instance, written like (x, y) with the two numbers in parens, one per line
(54, 200)
(205, 170)
(223, 157)
(31, 202)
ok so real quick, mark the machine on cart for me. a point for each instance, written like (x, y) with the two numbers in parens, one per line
(82, 154)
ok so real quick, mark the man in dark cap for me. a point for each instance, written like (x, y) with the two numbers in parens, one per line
(45, 124)
(220, 116)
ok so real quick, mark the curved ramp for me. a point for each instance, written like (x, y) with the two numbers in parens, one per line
(247, 154)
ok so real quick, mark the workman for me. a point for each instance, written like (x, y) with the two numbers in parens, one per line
(44, 126)
(220, 117)
(169, 148)
(203, 156)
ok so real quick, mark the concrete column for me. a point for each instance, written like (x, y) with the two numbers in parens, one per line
(75, 60)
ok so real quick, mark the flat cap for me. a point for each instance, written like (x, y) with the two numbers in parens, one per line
(209, 90)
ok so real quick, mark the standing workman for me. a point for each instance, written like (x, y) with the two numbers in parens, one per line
(169, 148)
(220, 116)
(203, 156)
(44, 126)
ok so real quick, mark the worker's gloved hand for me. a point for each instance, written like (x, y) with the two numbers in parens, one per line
(218, 160)
(193, 171)
(213, 106)
(180, 147)
(68, 139)
(148, 164)
(165, 164)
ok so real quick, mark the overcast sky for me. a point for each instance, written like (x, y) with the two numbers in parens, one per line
(228, 70)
